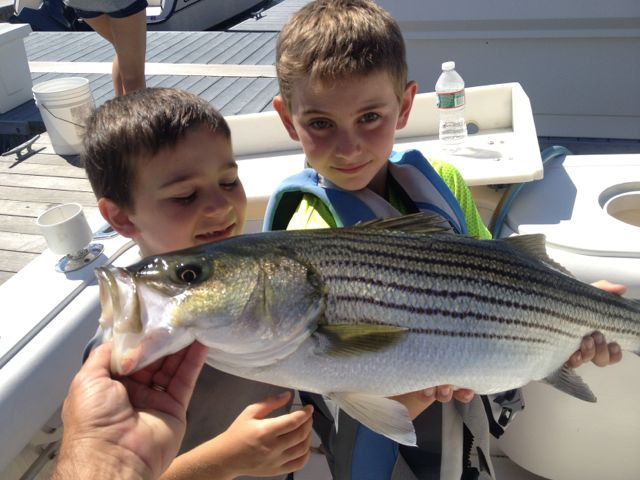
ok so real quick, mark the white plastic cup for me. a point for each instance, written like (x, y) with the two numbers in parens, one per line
(64, 104)
(65, 228)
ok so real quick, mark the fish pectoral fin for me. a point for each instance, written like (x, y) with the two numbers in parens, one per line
(349, 339)
(566, 380)
(382, 415)
(412, 223)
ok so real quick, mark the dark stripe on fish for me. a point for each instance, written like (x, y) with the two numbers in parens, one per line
(431, 311)
(548, 285)
(453, 295)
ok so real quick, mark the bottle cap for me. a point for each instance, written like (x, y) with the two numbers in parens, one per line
(446, 66)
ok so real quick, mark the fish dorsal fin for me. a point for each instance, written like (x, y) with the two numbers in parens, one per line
(347, 339)
(382, 415)
(566, 380)
(534, 245)
(412, 223)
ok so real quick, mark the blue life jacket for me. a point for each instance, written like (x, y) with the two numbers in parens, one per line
(409, 169)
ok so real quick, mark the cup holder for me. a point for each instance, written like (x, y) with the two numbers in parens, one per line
(622, 202)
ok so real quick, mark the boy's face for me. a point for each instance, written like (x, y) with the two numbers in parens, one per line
(347, 128)
(186, 196)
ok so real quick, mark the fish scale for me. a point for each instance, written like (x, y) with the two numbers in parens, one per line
(367, 312)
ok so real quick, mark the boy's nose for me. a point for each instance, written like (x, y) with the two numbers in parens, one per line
(216, 203)
(347, 144)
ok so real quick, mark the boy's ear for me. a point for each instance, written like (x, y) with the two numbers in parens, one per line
(285, 116)
(406, 104)
(117, 217)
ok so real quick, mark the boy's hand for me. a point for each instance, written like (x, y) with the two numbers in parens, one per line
(417, 402)
(255, 445)
(594, 347)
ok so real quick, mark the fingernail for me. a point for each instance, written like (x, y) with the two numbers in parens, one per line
(283, 394)
(598, 338)
(614, 348)
(429, 392)
(445, 391)
(589, 343)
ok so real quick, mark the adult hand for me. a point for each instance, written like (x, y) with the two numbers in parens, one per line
(129, 427)
(594, 347)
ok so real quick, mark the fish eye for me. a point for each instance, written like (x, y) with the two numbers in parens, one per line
(189, 273)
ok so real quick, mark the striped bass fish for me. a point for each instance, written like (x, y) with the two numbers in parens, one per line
(366, 312)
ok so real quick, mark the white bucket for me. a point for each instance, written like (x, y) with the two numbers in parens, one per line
(64, 104)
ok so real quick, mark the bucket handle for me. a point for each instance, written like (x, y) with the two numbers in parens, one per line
(56, 117)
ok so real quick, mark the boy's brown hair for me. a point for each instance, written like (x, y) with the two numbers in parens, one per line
(125, 132)
(332, 39)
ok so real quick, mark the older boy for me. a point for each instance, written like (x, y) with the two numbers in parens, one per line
(161, 165)
(343, 92)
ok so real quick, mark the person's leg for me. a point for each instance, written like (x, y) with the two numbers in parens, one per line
(102, 26)
(129, 36)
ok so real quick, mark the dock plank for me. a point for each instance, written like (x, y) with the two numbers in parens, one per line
(22, 242)
(55, 170)
(17, 224)
(4, 276)
(11, 261)
(47, 195)
(41, 181)
(19, 216)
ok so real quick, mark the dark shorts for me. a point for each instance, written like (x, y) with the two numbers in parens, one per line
(132, 9)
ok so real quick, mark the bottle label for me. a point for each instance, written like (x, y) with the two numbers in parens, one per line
(451, 99)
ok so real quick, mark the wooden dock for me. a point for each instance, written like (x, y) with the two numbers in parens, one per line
(28, 187)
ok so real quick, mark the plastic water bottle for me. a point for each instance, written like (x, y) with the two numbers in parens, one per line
(450, 92)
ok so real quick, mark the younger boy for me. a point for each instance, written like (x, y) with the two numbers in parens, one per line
(160, 163)
(343, 92)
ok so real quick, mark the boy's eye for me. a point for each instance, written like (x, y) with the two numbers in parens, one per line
(320, 124)
(369, 117)
(230, 185)
(186, 199)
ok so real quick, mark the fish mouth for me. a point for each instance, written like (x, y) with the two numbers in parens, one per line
(108, 290)
(120, 306)
(138, 336)
(120, 318)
